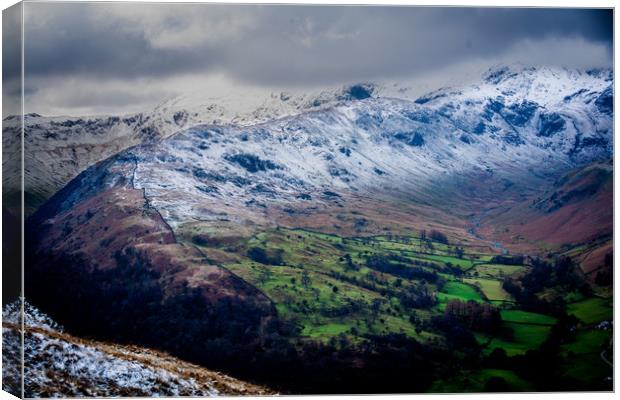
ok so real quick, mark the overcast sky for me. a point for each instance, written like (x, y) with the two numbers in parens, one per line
(118, 58)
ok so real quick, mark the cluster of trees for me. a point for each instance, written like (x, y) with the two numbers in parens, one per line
(545, 366)
(434, 235)
(370, 281)
(437, 236)
(508, 260)
(530, 301)
(419, 263)
(384, 264)
(417, 297)
(348, 308)
(200, 240)
(605, 276)
(266, 256)
(398, 238)
(379, 364)
(452, 269)
(458, 336)
(459, 252)
(350, 265)
(476, 316)
(560, 273)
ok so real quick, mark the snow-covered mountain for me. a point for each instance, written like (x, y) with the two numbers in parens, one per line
(57, 364)
(524, 113)
(516, 128)
(58, 148)
(251, 106)
(569, 110)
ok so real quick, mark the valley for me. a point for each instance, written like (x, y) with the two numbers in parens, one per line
(345, 290)
(463, 238)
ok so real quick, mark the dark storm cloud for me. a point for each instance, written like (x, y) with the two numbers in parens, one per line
(11, 60)
(293, 45)
(11, 46)
(395, 41)
(74, 39)
(289, 43)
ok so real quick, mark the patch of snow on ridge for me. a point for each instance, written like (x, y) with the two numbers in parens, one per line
(60, 365)
(34, 318)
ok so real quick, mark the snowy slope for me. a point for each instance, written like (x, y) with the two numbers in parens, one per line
(58, 364)
(496, 132)
(58, 148)
(250, 106)
(569, 110)
(521, 114)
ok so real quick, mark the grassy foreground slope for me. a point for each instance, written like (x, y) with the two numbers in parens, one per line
(57, 364)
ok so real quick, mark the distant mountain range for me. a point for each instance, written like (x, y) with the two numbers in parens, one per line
(521, 114)
(502, 139)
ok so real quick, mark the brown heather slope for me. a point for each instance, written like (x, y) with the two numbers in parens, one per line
(577, 210)
(593, 258)
(115, 272)
(119, 220)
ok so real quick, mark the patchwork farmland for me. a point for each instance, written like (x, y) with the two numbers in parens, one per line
(343, 290)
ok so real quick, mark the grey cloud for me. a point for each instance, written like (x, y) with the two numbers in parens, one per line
(77, 40)
(11, 60)
(294, 45)
(393, 41)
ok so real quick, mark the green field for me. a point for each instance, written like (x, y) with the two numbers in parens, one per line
(524, 337)
(315, 286)
(593, 310)
(527, 317)
(491, 288)
(459, 262)
(458, 290)
(477, 381)
(583, 356)
(495, 271)
(588, 342)
(337, 289)
(587, 368)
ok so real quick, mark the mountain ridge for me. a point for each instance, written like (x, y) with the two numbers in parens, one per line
(94, 139)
